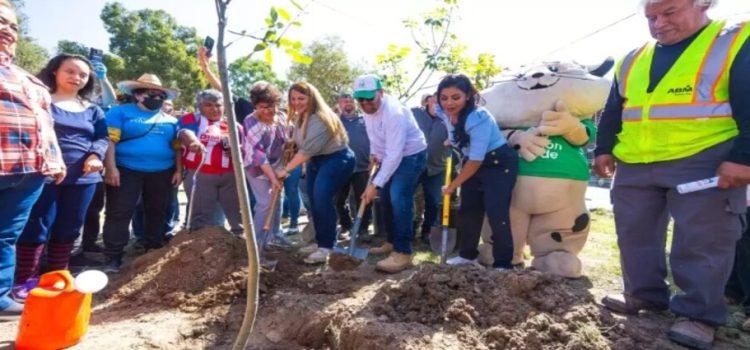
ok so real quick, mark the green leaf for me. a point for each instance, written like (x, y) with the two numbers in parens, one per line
(268, 57)
(260, 47)
(284, 14)
(279, 25)
(274, 15)
(296, 23)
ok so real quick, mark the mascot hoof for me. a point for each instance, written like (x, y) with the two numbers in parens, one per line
(485, 254)
(559, 263)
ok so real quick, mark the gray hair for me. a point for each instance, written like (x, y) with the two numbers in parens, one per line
(209, 95)
(696, 3)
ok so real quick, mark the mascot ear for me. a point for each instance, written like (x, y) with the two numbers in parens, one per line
(603, 68)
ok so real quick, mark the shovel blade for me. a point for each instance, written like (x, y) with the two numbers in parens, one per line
(358, 253)
(436, 240)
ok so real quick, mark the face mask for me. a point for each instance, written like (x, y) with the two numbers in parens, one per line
(152, 104)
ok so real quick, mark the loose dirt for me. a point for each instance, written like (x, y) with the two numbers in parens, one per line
(343, 262)
(191, 295)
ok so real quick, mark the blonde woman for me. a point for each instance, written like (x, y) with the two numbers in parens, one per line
(321, 139)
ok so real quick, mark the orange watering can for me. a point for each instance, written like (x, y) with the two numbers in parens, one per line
(56, 313)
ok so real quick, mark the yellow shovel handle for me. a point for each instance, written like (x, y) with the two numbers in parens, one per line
(447, 198)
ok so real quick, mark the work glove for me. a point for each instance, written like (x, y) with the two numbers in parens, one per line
(100, 70)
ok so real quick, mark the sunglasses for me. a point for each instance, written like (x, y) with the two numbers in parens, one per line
(160, 95)
(360, 99)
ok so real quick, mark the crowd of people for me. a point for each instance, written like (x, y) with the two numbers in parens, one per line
(71, 149)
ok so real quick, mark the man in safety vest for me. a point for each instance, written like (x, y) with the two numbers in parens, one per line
(679, 111)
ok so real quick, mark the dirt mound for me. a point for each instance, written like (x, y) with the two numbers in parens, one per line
(196, 270)
(500, 310)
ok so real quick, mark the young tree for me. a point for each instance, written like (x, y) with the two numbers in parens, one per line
(329, 71)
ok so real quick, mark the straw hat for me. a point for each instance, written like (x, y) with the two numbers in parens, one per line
(146, 81)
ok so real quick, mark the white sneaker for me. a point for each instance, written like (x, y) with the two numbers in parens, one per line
(318, 257)
(458, 260)
(308, 249)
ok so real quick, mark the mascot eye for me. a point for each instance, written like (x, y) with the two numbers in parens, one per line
(552, 69)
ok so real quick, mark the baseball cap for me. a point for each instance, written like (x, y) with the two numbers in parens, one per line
(365, 86)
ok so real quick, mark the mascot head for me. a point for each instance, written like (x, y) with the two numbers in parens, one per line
(520, 100)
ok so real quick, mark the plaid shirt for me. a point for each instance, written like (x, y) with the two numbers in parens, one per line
(264, 144)
(27, 138)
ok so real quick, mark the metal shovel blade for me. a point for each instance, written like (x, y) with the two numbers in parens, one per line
(436, 240)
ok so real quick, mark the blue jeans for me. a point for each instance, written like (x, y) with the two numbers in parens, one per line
(292, 199)
(58, 215)
(432, 188)
(18, 193)
(397, 200)
(325, 176)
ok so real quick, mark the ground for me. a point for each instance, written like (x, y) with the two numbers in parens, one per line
(191, 295)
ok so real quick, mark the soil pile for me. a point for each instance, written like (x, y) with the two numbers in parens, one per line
(501, 310)
(195, 271)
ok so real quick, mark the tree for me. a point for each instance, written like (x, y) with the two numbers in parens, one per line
(329, 71)
(151, 41)
(29, 55)
(244, 72)
(438, 50)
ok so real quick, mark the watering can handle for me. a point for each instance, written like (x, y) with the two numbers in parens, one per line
(47, 286)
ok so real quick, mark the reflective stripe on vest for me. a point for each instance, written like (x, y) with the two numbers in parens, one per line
(674, 112)
(688, 110)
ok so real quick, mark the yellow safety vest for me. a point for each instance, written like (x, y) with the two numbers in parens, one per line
(689, 109)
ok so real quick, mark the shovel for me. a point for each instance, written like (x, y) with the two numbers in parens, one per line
(188, 224)
(268, 264)
(443, 239)
(357, 253)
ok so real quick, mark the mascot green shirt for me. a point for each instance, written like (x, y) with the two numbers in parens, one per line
(561, 160)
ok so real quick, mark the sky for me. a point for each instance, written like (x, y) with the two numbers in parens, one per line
(516, 32)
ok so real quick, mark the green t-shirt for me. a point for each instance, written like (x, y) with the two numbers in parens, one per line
(561, 160)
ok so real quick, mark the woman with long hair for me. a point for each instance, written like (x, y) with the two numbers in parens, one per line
(58, 214)
(488, 174)
(322, 142)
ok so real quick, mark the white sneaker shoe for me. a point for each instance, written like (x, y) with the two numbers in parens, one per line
(308, 249)
(318, 257)
(458, 260)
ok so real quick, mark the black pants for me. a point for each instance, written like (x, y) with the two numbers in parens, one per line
(738, 286)
(489, 192)
(157, 191)
(91, 225)
(358, 183)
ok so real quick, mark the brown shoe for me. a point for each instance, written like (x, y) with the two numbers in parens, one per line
(382, 250)
(629, 305)
(396, 262)
(691, 333)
